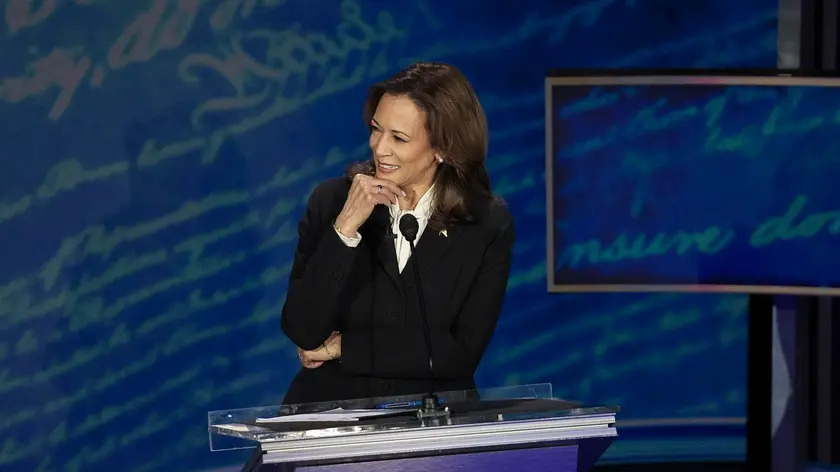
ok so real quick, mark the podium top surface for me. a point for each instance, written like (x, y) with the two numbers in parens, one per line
(521, 413)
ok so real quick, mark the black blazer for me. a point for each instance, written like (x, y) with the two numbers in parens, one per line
(361, 293)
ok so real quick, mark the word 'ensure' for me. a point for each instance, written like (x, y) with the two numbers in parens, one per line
(709, 241)
(790, 226)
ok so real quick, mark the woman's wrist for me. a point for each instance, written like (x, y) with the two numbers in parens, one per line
(345, 228)
(329, 352)
(333, 347)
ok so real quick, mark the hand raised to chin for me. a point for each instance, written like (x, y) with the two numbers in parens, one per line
(365, 193)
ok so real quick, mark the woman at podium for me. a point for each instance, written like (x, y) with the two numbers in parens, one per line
(352, 306)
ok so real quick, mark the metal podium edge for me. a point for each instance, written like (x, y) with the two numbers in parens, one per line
(439, 439)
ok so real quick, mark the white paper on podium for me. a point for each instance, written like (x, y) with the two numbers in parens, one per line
(337, 414)
(236, 427)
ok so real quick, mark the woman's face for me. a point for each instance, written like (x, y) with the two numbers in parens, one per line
(400, 144)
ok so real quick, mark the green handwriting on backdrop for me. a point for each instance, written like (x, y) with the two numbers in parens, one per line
(260, 89)
(249, 77)
(714, 239)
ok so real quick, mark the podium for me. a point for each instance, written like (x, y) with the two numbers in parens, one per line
(500, 429)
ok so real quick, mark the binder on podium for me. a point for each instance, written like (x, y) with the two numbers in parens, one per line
(500, 429)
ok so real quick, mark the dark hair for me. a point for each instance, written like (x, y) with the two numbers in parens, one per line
(457, 130)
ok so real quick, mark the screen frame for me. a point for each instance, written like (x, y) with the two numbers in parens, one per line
(692, 77)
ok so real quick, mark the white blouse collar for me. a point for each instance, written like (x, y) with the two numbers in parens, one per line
(422, 211)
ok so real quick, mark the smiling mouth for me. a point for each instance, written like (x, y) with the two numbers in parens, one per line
(388, 167)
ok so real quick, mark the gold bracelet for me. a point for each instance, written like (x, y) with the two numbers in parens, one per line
(328, 352)
(338, 229)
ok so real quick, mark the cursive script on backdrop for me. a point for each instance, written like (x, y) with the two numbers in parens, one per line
(274, 85)
(163, 27)
(794, 224)
(97, 276)
(781, 118)
(295, 69)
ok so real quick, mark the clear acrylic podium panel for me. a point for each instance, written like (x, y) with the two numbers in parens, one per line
(228, 429)
(235, 429)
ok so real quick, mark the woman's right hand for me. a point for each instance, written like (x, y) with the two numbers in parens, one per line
(316, 358)
(365, 193)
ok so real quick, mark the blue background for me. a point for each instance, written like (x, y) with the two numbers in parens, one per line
(156, 156)
(696, 184)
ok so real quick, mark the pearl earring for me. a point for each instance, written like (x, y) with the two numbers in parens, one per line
(440, 160)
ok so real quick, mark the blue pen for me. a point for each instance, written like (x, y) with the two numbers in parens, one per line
(411, 404)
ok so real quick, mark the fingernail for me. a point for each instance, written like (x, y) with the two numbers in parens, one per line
(404, 194)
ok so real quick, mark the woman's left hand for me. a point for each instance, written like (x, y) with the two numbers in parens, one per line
(330, 350)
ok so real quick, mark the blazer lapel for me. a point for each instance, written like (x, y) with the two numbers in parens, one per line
(430, 250)
(378, 230)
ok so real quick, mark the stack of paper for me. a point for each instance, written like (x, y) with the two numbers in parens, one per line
(337, 414)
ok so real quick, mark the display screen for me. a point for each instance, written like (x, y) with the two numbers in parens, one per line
(693, 183)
